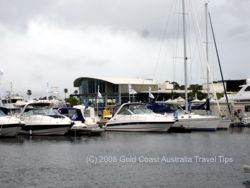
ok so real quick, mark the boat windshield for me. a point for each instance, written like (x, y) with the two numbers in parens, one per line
(135, 109)
(41, 111)
(2, 113)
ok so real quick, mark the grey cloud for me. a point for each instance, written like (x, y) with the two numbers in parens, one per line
(115, 37)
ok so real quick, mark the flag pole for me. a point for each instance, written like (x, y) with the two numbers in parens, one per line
(129, 86)
(97, 110)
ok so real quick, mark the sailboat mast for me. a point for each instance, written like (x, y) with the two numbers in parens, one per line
(218, 58)
(185, 54)
(206, 20)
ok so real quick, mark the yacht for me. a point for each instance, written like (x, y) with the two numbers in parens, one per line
(10, 126)
(137, 117)
(41, 119)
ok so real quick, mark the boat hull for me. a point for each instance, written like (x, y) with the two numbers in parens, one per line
(224, 124)
(139, 126)
(200, 123)
(45, 130)
(10, 130)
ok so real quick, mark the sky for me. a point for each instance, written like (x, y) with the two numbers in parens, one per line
(57, 41)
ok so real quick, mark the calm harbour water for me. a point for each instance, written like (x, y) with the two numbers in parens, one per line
(201, 159)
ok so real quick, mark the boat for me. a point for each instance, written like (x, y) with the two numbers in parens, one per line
(185, 118)
(136, 117)
(185, 121)
(196, 122)
(241, 96)
(240, 103)
(83, 125)
(40, 119)
(246, 168)
(10, 126)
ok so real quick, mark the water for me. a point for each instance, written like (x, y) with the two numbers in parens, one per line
(127, 160)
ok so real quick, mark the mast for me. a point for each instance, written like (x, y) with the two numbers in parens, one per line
(206, 20)
(185, 54)
(218, 58)
(47, 91)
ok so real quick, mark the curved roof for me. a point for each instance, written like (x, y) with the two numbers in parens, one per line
(118, 81)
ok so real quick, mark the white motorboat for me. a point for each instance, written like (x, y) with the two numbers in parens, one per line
(84, 121)
(10, 126)
(137, 117)
(40, 119)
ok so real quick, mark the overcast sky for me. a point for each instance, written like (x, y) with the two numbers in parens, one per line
(57, 41)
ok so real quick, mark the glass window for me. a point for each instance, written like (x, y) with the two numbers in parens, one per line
(115, 88)
(84, 87)
(91, 86)
(248, 88)
(247, 108)
(1, 113)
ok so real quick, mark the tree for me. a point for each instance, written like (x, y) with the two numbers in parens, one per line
(76, 92)
(29, 93)
(65, 91)
(72, 101)
(176, 85)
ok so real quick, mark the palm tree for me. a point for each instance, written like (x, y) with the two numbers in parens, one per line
(65, 91)
(29, 93)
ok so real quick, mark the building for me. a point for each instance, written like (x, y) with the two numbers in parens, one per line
(231, 86)
(115, 90)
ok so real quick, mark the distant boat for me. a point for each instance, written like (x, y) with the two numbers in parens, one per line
(242, 96)
(136, 117)
(246, 168)
(41, 120)
(10, 126)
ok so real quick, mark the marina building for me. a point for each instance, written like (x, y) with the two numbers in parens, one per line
(114, 90)
(108, 90)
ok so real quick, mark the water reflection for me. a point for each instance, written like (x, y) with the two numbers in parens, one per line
(245, 130)
(246, 184)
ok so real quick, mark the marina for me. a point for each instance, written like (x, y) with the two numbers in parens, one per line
(124, 94)
(200, 159)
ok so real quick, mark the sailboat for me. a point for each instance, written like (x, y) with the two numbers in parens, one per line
(194, 122)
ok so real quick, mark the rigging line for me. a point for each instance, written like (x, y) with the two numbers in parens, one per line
(208, 68)
(162, 38)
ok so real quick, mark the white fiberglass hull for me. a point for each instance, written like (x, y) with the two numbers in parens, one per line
(199, 122)
(9, 126)
(224, 124)
(45, 130)
(139, 123)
